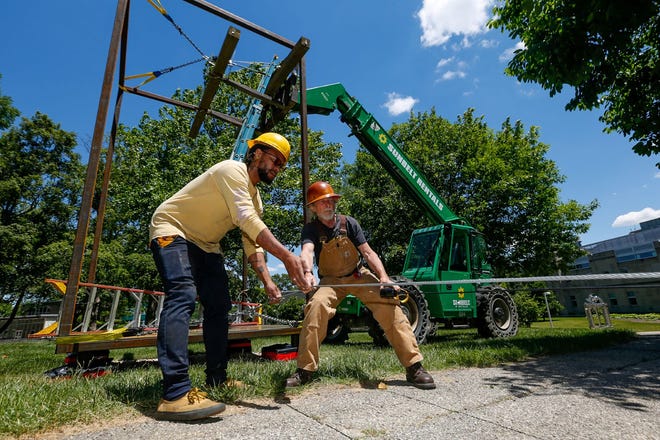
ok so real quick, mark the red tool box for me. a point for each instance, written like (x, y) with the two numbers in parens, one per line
(279, 352)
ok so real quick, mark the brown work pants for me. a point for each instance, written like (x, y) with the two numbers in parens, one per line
(321, 307)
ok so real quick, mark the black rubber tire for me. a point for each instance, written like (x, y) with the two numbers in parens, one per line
(416, 309)
(497, 316)
(337, 331)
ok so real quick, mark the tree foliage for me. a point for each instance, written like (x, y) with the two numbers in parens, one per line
(40, 182)
(7, 111)
(531, 305)
(608, 50)
(500, 182)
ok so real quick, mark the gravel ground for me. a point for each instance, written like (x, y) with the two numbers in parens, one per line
(612, 393)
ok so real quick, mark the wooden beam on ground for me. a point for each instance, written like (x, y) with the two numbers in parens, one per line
(70, 344)
(214, 78)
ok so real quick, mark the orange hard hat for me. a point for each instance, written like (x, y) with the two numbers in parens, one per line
(320, 190)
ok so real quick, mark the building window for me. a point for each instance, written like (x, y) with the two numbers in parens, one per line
(613, 301)
(632, 298)
(573, 301)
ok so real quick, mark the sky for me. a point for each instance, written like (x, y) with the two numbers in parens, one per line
(393, 56)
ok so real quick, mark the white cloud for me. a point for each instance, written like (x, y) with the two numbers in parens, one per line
(636, 217)
(459, 72)
(508, 53)
(657, 175)
(444, 62)
(525, 89)
(489, 44)
(397, 104)
(452, 74)
(441, 19)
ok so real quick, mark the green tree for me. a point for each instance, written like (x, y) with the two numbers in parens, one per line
(608, 50)
(7, 111)
(527, 307)
(40, 182)
(500, 182)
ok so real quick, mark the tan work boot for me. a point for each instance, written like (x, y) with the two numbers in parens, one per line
(193, 405)
(300, 377)
(419, 377)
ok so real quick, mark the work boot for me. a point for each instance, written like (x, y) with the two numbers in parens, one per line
(193, 405)
(419, 377)
(300, 377)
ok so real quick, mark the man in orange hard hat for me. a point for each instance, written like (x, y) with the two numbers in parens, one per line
(185, 234)
(337, 243)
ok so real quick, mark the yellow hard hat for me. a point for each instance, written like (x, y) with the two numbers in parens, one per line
(273, 140)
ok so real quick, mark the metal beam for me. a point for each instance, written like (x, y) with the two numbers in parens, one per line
(214, 78)
(222, 116)
(69, 302)
(208, 7)
(287, 65)
(252, 92)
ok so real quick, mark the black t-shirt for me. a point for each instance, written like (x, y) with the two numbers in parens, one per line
(313, 231)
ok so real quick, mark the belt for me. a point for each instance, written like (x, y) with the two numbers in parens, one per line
(354, 273)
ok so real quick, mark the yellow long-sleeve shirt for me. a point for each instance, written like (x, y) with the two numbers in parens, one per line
(215, 202)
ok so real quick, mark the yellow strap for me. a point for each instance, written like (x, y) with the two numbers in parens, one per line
(105, 336)
(149, 75)
(158, 6)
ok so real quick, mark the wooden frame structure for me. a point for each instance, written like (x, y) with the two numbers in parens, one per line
(117, 59)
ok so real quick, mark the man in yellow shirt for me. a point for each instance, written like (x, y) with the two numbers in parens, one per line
(185, 234)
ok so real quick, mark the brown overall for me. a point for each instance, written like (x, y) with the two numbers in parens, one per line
(339, 263)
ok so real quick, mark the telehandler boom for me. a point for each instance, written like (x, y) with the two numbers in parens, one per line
(449, 250)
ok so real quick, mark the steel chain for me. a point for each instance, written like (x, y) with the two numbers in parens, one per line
(251, 312)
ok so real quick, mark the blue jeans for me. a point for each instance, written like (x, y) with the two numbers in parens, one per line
(188, 272)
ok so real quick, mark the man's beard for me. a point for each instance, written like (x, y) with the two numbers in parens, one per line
(264, 176)
(326, 214)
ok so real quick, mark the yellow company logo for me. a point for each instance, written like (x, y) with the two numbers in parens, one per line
(461, 302)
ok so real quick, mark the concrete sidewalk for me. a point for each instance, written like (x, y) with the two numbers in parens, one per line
(612, 393)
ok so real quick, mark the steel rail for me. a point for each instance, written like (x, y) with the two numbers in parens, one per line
(605, 276)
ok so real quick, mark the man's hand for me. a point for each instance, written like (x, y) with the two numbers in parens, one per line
(273, 292)
(309, 277)
(386, 280)
(294, 267)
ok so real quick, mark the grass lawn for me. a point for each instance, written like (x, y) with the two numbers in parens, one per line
(32, 403)
(636, 323)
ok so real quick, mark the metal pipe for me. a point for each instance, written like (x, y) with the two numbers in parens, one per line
(304, 140)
